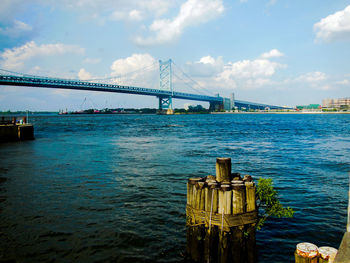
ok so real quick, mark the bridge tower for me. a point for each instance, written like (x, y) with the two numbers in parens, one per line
(165, 83)
(216, 106)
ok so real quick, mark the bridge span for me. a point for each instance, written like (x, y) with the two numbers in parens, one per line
(165, 93)
(55, 83)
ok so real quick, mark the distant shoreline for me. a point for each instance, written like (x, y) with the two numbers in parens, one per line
(9, 114)
(281, 112)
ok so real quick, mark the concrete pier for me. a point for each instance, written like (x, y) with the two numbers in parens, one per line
(16, 132)
(343, 255)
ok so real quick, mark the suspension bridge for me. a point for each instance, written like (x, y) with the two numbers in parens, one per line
(165, 93)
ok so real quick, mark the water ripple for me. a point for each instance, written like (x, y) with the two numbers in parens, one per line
(113, 188)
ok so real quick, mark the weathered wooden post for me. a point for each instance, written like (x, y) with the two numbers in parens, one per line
(223, 176)
(237, 233)
(219, 210)
(223, 169)
(327, 254)
(225, 204)
(200, 196)
(191, 190)
(250, 230)
(193, 231)
(211, 233)
(306, 253)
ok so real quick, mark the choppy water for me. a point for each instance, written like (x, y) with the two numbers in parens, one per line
(113, 188)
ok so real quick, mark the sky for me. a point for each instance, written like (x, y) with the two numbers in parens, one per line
(279, 52)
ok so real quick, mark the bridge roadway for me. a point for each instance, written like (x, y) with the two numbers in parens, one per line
(57, 83)
(94, 86)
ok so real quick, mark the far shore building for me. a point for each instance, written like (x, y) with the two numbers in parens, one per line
(340, 103)
(232, 97)
(229, 103)
(310, 107)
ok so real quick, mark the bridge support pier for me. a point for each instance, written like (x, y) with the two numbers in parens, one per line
(214, 106)
(165, 105)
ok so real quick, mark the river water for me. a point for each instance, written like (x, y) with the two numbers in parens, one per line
(112, 188)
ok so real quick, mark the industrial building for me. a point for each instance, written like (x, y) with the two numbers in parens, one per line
(339, 104)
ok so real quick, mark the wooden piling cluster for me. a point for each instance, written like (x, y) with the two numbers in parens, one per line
(221, 216)
(310, 253)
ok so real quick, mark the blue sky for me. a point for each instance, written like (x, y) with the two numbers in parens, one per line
(281, 52)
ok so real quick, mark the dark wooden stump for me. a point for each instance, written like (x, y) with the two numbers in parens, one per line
(223, 169)
(221, 217)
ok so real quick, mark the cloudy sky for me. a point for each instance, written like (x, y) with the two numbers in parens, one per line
(281, 52)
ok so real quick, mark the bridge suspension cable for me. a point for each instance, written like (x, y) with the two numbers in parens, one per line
(189, 85)
(123, 78)
(17, 73)
(146, 68)
(194, 82)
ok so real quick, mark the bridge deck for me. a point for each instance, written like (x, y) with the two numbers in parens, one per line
(56, 83)
(93, 86)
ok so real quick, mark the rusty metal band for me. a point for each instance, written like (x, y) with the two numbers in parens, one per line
(200, 217)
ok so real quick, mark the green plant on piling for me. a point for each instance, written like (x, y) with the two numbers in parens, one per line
(268, 202)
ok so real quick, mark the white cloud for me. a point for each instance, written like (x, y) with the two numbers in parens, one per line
(315, 80)
(136, 70)
(16, 29)
(244, 74)
(206, 66)
(248, 74)
(334, 26)
(36, 68)
(9, 8)
(325, 87)
(84, 75)
(157, 7)
(127, 10)
(312, 77)
(272, 54)
(132, 63)
(259, 82)
(343, 82)
(15, 58)
(92, 60)
(192, 13)
(207, 60)
(98, 10)
(272, 2)
(250, 69)
(133, 15)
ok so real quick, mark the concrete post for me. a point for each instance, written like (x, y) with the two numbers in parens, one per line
(348, 225)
